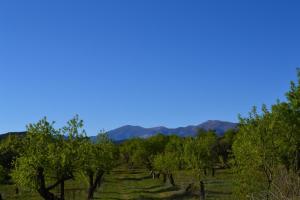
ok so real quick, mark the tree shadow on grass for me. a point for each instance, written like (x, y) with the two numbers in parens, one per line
(168, 189)
(217, 193)
(150, 187)
(177, 196)
(134, 178)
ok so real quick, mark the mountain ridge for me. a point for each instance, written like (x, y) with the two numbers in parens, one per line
(130, 131)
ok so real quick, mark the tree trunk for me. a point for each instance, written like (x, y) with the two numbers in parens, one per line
(152, 173)
(42, 190)
(213, 172)
(62, 190)
(188, 188)
(171, 179)
(164, 178)
(202, 191)
(93, 184)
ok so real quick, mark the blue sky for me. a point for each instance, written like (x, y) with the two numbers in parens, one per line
(148, 63)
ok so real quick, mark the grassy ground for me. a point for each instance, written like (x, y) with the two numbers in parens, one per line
(136, 184)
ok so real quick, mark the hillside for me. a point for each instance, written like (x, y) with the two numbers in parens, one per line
(126, 132)
(2, 136)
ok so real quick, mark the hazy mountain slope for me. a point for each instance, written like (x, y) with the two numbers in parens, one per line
(126, 132)
(2, 136)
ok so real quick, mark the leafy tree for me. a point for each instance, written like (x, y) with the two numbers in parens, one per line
(223, 148)
(49, 158)
(97, 159)
(266, 142)
(142, 151)
(10, 149)
(255, 153)
(167, 163)
(199, 155)
(175, 145)
(3, 174)
(128, 149)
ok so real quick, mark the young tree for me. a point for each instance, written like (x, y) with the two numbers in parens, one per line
(223, 148)
(167, 163)
(97, 159)
(128, 150)
(10, 149)
(49, 158)
(199, 156)
(266, 143)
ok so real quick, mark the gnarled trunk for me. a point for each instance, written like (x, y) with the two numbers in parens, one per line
(202, 190)
(62, 190)
(42, 190)
(164, 177)
(171, 179)
(93, 184)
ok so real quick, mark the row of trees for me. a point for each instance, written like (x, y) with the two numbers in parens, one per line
(267, 150)
(47, 157)
(263, 154)
(163, 155)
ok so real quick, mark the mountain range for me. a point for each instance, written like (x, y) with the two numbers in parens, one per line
(129, 131)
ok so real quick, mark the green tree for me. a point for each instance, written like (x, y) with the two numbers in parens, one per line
(3, 174)
(96, 159)
(267, 145)
(50, 158)
(223, 148)
(199, 155)
(166, 163)
(10, 149)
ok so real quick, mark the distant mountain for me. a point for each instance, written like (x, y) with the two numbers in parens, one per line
(2, 136)
(127, 132)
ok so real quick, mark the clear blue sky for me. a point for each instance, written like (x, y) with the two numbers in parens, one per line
(147, 63)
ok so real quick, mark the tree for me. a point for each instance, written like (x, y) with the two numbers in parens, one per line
(49, 158)
(10, 149)
(167, 163)
(142, 151)
(128, 149)
(199, 156)
(255, 153)
(3, 174)
(267, 145)
(223, 148)
(97, 159)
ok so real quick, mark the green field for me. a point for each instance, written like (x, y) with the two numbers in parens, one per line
(136, 184)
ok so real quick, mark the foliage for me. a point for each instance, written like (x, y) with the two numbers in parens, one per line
(266, 144)
(199, 154)
(49, 156)
(10, 149)
(96, 159)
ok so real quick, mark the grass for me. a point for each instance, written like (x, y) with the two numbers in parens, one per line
(136, 184)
